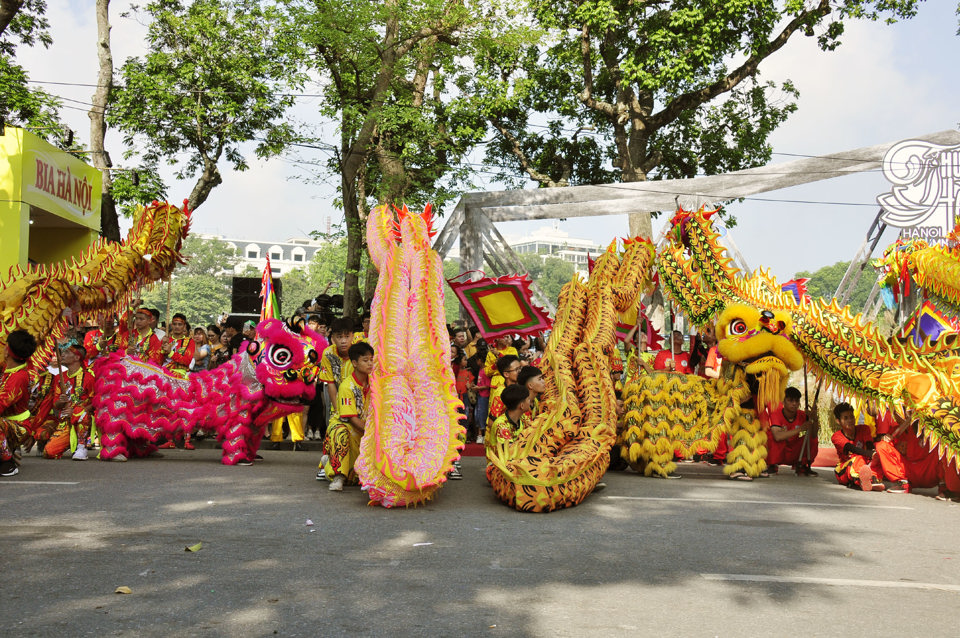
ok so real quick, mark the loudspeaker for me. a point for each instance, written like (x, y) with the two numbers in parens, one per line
(245, 299)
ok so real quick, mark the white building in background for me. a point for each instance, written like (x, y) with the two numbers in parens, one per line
(285, 256)
(552, 242)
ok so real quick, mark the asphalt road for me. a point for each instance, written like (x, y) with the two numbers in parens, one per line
(702, 556)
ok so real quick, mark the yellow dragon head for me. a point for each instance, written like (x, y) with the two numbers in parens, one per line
(759, 341)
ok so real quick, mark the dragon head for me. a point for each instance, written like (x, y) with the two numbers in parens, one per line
(287, 362)
(759, 341)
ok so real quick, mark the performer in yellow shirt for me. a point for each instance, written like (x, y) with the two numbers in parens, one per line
(343, 436)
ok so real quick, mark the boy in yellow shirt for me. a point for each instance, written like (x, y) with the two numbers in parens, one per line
(343, 436)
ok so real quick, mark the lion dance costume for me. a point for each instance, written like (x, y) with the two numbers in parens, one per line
(843, 350)
(136, 402)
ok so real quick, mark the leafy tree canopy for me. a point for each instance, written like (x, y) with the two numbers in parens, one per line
(213, 80)
(824, 283)
(549, 273)
(23, 22)
(626, 90)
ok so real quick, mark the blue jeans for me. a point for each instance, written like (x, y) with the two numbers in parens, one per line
(480, 413)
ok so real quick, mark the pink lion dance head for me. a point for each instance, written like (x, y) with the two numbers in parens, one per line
(287, 360)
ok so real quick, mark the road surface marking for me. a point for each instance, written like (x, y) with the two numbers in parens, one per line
(844, 582)
(751, 502)
(39, 483)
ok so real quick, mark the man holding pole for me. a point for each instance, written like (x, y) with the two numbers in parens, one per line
(792, 438)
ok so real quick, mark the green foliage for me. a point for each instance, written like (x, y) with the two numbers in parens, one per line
(214, 79)
(28, 26)
(130, 190)
(629, 91)
(391, 68)
(200, 288)
(389, 72)
(20, 104)
(824, 283)
(549, 273)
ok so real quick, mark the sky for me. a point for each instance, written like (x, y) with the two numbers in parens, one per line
(885, 83)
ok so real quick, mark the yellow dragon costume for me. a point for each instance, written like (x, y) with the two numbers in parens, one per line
(846, 352)
(669, 412)
(43, 299)
(560, 458)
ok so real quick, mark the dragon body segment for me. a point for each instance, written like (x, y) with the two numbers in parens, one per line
(42, 299)
(560, 458)
(413, 428)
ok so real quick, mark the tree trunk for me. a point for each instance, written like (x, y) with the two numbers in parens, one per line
(109, 224)
(355, 234)
(8, 9)
(209, 179)
(355, 154)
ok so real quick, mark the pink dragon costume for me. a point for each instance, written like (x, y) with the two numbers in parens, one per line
(137, 403)
(412, 430)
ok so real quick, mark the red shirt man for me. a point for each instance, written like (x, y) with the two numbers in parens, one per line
(855, 451)
(675, 361)
(142, 342)
(14, 397)
(789, 433)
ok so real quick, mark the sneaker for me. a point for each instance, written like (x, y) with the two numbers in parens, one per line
(599, 487)
(9, 468)
(169, 445)
(455, 472)
(120, 458)
(336, 485)
(322, 475)
(298, 446)
(245, 462)
(866, 478)
(901, 487)
(80, 454)
(480, 439)
(188, 446)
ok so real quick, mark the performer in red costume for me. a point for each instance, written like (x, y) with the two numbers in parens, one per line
(14, 398)
(141, 342)
(674, 359)
(66, 412)
(178, 349)
(790, 431)
(855, 450)
(102, 341)
(904, 459)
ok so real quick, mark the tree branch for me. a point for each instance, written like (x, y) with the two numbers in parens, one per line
(525, 164)
(586, 96)
(735, 77)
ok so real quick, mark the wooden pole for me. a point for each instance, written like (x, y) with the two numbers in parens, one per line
(169, 295)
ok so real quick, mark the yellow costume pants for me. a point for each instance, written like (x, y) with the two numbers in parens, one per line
(343, 448)
(295, 421)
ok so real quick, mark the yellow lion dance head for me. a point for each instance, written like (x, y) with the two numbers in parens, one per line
(759, 340)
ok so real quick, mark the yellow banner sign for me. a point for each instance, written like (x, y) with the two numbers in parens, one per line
(56, 181)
